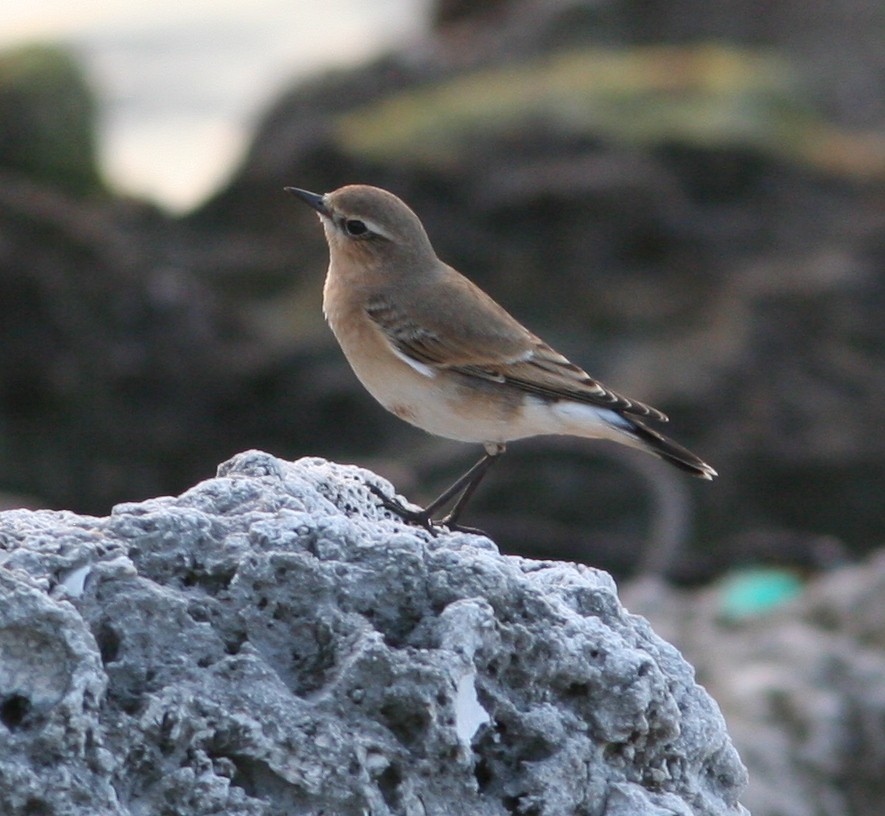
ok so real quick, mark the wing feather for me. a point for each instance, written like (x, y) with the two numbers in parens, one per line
(470, 333)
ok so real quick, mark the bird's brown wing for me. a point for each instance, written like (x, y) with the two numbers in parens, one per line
(462, 329)
(548, 374)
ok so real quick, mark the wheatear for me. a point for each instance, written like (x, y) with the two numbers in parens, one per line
(438, 352)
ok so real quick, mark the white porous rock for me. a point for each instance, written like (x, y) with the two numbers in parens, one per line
(272, 641)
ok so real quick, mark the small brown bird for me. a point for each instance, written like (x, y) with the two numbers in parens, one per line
(438, 352)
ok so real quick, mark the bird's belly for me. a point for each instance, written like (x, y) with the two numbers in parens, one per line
(448, 404)
(444, 403)
(468, 409)
(438, 404)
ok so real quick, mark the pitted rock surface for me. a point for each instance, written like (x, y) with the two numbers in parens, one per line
(272, 641)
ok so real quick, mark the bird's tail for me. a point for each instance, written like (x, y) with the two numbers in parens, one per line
(667, 449)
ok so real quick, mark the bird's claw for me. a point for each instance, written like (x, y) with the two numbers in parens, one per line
(420, 518)
(454, 527)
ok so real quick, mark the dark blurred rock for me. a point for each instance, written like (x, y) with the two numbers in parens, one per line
(109, 339)
(728, 275)
(47, 118)
(682, 219)
(837, 45)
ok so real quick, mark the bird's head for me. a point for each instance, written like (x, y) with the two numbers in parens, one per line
(369, 225)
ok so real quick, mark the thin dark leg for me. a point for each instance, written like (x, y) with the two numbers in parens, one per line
(478, 471)
(463, 487)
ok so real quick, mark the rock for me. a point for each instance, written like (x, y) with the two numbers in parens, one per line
(687, 201)
(802, 688)
(271, 641)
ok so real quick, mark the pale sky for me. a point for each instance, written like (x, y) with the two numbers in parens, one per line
(182, 82)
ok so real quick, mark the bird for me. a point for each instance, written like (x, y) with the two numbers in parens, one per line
(438, 352)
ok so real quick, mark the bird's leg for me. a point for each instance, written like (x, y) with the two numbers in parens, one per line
(463, 487)
(473, 477)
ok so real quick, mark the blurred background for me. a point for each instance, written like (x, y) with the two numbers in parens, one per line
(686, 197)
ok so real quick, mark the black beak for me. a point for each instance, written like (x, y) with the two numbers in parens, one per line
(312, 199)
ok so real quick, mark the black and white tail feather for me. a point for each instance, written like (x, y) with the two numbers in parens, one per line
(666, 449)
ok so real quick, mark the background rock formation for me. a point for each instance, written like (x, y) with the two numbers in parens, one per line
(686, 199)
(270, 641)
(802, 688)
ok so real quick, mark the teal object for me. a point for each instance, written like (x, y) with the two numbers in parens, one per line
(753, 592)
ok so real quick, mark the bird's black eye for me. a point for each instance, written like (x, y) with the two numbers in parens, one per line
(355, 227)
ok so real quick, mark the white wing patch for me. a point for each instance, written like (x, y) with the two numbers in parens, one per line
(420, 367)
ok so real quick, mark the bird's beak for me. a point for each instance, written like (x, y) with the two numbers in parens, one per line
(312, 199)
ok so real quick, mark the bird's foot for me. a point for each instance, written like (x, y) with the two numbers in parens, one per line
(421, 518)
(454, 527)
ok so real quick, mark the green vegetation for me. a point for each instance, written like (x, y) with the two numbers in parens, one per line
(47, 118)
(704, 95)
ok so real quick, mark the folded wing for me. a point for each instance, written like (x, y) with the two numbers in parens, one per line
(470, 333)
